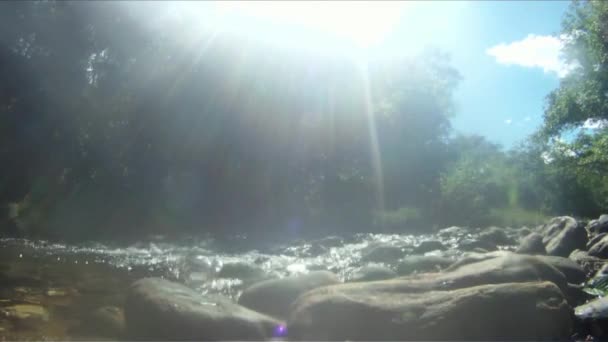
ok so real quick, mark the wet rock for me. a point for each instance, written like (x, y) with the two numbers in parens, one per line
(157, 309)
(562, 235)
(241, 270)
(421, 264)
(595, 239)
(532, 244)
(573, 272)
(600, 248)
(589, 263)
(524, 231)
(364, 311)
(382, 253)
(593, 317)
(373, 272)
(429, 245)
(598, 226)
(494, 236)
(107, 321)
(273, 297)
(27, 316)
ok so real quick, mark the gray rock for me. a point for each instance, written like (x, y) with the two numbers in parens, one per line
(373, 272)
(593, 317)
(573, 272)
(107, 321)
(157, 309)
(421, 264)
(495, 236)
(532, 244)
(599, 226)
(273, 297)
(595, 239)
(562, 235)
(429, 245)
(589, 263)
(365, 311)
(600, 248)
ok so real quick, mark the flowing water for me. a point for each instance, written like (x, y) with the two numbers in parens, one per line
(55, 291)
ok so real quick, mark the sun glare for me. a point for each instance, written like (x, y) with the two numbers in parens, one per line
(332, 24)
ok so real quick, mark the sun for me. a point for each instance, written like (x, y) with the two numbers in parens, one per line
(321, 25)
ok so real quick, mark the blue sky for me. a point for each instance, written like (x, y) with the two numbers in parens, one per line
(502, 93)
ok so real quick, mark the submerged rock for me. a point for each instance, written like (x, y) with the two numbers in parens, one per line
(562, 235)
(595, 239)
(273, 297)
(106, 321)
(574, 273)
(422, 263)
(364, 311)
(495, 236)
(532, 244)
(26, 315)
(373, 272)
(157, 309)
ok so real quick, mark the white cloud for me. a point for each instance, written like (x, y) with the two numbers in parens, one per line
(508, 121)
(534, 51)
(527, 118)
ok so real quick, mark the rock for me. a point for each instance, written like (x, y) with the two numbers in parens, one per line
(589, 263)
(600, 248)
(373, 272)
(573, 272)
(382, 253)
(107, 321)
(362, 311)
(593, 317)
(471, 244)
(26, 316)
(157, 309)
(532, 244)
(595, 239)
(562, 235)
(422, 263)
(524, 231)
(598, 226)
(429, 245)
(495, 236)
(241, 270)
(273, 297)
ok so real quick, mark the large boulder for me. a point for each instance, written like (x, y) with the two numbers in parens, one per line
(532, 244)
(562, 235)
(273, 297)
(495, 236)
(157, 309)
(512, 311)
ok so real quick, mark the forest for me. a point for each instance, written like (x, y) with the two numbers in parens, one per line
(112, 121)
